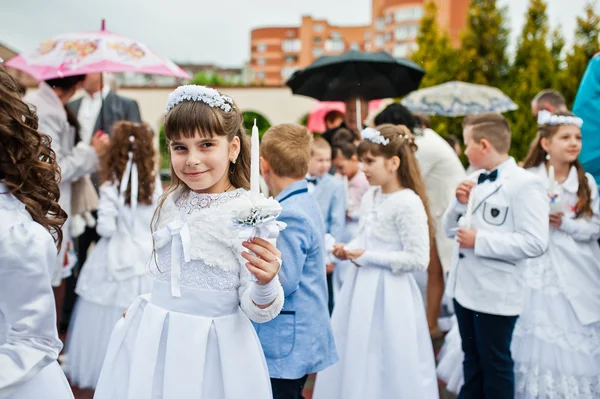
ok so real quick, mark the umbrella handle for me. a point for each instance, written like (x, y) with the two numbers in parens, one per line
(358, 116)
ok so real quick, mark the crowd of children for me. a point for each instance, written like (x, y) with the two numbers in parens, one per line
(175, 302)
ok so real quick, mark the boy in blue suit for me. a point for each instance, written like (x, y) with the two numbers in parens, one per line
(299, 341)
(331, 197)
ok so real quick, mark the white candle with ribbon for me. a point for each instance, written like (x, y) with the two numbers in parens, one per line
(551, 181)
(469, 214)
(254, 162)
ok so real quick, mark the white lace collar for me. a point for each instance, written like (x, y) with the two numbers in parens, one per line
(190, 201)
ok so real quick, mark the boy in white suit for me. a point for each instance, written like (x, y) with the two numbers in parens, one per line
(499, 218)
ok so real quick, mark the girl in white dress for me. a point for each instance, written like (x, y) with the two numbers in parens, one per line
(30, 235)
(116, 272)
(379, 321)
(556, 342)
(192, 337)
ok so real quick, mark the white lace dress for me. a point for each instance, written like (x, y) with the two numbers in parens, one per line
(114, 275)
(192, 336)
(379, 321)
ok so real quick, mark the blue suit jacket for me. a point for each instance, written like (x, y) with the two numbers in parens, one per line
(299, 341)
(331, 197)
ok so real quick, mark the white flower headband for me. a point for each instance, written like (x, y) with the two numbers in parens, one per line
(204, 94)
(547, 118)
(374, 136)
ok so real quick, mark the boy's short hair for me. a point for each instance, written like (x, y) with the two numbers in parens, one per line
(346, 149)
(287, 149)
(551, 97)
(344, 134)
(492, 127)
(319, 143)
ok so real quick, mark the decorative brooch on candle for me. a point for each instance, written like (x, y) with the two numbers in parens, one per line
(256, 215)
(555, 203)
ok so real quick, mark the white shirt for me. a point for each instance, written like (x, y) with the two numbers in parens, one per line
(89, 110)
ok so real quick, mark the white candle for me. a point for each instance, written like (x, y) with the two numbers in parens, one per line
(551, 181)
(254, 162)
(469, 213)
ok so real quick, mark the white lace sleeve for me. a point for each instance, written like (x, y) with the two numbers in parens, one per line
(253, 312)
(585, 229)
(413, 231)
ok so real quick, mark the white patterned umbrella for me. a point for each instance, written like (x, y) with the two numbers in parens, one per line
(458, 99)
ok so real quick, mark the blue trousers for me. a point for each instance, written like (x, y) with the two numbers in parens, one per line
(488, 366)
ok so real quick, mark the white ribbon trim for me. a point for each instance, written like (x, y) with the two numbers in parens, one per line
(265, 231)
(131, 173)
(547, 118)
(181, 242)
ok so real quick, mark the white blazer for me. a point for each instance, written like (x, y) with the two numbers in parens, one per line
(442, 172)
(75, 161)
(511, 219)
(573, 250)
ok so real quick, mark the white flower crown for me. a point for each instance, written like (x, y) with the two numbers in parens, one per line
(374, 136)
(204, 94)
(547, 118)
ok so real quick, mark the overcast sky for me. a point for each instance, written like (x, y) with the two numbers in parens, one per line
(215, 31)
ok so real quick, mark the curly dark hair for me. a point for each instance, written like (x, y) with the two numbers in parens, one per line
(28, 165)
(144, 155)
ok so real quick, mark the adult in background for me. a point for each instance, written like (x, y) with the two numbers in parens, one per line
(549, 100)
(442, 172)
(97, 110)
(334, 121)
(76, 159)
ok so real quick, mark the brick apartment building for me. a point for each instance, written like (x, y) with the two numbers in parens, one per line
(276, 52)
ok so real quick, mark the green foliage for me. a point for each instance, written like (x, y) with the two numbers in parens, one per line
(483, 58)
(210, 78)
(262, 122)
(435, 53)
(533, 70)
(303, 120)
(585, 46)
(163, 149)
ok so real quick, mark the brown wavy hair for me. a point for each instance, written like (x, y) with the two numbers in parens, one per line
(144, 155)
(28, 165)
(537, 156)
(190, 117)
(402, 145)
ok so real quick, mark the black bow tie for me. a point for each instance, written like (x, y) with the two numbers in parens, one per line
(312, 180)
(492, 176)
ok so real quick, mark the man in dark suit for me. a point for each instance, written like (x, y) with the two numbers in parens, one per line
(98, 110)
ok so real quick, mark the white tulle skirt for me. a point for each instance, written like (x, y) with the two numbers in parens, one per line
(87, 340)
(49, 383)
(382, 340)
(200, 345)
(556, 357)
(450, 360)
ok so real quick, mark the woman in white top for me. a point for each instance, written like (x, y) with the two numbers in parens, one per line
(31, 216)
(379, 322)
(556, 342)
(116, 272)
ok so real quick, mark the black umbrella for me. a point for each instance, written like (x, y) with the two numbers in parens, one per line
(367, 76)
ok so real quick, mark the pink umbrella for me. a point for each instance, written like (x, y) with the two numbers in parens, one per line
(91, 52)
(316, 117)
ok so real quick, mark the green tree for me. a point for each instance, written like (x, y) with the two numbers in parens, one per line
(557, 45)
(585, 46)
(483, 58)
(435, 53)
(261, 122)
(533, 70)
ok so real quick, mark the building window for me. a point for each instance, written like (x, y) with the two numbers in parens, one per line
(261, 48)
(388, 19)
(404, 50)
(378, 41)
(336, 35)
(317, 40)
(380, 24)
(406, 32)
(317, 52)
(388, 37)
(290, 33)
(260, 76)
(355, 46)
(367, 36)
(291, 45)
(409, 14)
(291, 59)
(335, 46)
(368, 47)
(318, 27)
(261, 61)
(287, 72)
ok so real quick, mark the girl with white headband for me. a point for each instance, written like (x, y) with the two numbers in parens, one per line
(556, 342)
(192, 336)
(116, 272)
